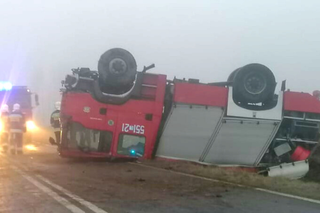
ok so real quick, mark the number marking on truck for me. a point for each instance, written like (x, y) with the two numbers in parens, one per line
(138, 129)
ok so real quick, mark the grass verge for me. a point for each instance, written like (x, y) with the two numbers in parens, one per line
(301, 188)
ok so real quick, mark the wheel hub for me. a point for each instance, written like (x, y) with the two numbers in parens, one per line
(117, 66)
(255, 83)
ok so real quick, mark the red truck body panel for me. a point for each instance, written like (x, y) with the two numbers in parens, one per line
(301, 102)
(84, 109)
(200, 94)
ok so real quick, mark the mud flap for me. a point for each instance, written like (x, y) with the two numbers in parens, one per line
(294, 170)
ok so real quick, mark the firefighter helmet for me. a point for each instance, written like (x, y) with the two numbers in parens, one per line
(16, 107)
(57, 105)
(4, 108)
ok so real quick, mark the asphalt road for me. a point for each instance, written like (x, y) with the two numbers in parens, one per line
(41, 181)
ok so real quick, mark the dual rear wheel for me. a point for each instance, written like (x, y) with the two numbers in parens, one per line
(253, 83)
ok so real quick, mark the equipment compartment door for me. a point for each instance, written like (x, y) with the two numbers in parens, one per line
(241, 141)
(187, 131)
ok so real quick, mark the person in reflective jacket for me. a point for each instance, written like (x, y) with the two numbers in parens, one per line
(4, 134)
(55, 122)
(17, 126)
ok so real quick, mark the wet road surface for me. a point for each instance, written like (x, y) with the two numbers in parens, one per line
(41, 181)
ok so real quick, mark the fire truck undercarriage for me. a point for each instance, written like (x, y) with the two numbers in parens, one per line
(118, 112)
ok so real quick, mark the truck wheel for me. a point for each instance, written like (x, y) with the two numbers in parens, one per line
(231, 76)
(116, 67)
(253, 83)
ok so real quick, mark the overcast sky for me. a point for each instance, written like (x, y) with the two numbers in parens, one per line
(40, 41)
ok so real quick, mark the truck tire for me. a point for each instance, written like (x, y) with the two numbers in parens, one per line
(253, 83)
(116, 67)
(231, 76)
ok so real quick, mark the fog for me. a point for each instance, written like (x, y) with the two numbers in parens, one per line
(204, 39)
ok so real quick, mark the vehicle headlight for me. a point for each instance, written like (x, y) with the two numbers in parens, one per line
(31, 147)
(31, 125)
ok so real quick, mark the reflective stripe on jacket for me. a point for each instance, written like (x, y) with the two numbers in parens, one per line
(16, 122)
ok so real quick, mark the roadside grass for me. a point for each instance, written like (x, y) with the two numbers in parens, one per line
(301, 188)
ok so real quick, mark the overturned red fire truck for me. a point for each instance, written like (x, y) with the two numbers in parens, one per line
(118, 112)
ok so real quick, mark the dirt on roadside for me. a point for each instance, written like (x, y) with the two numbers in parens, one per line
(314, 172)
(307, 187)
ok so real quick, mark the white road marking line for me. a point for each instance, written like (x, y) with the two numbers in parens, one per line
(73, 196)
(49, 192)
(85, 203)
(289, 196)
(233, 184)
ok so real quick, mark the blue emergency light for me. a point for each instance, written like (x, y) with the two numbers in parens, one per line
(5, 86)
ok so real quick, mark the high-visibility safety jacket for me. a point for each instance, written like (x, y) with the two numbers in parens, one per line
(17, 123)
(4, 119)
(55, 120)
